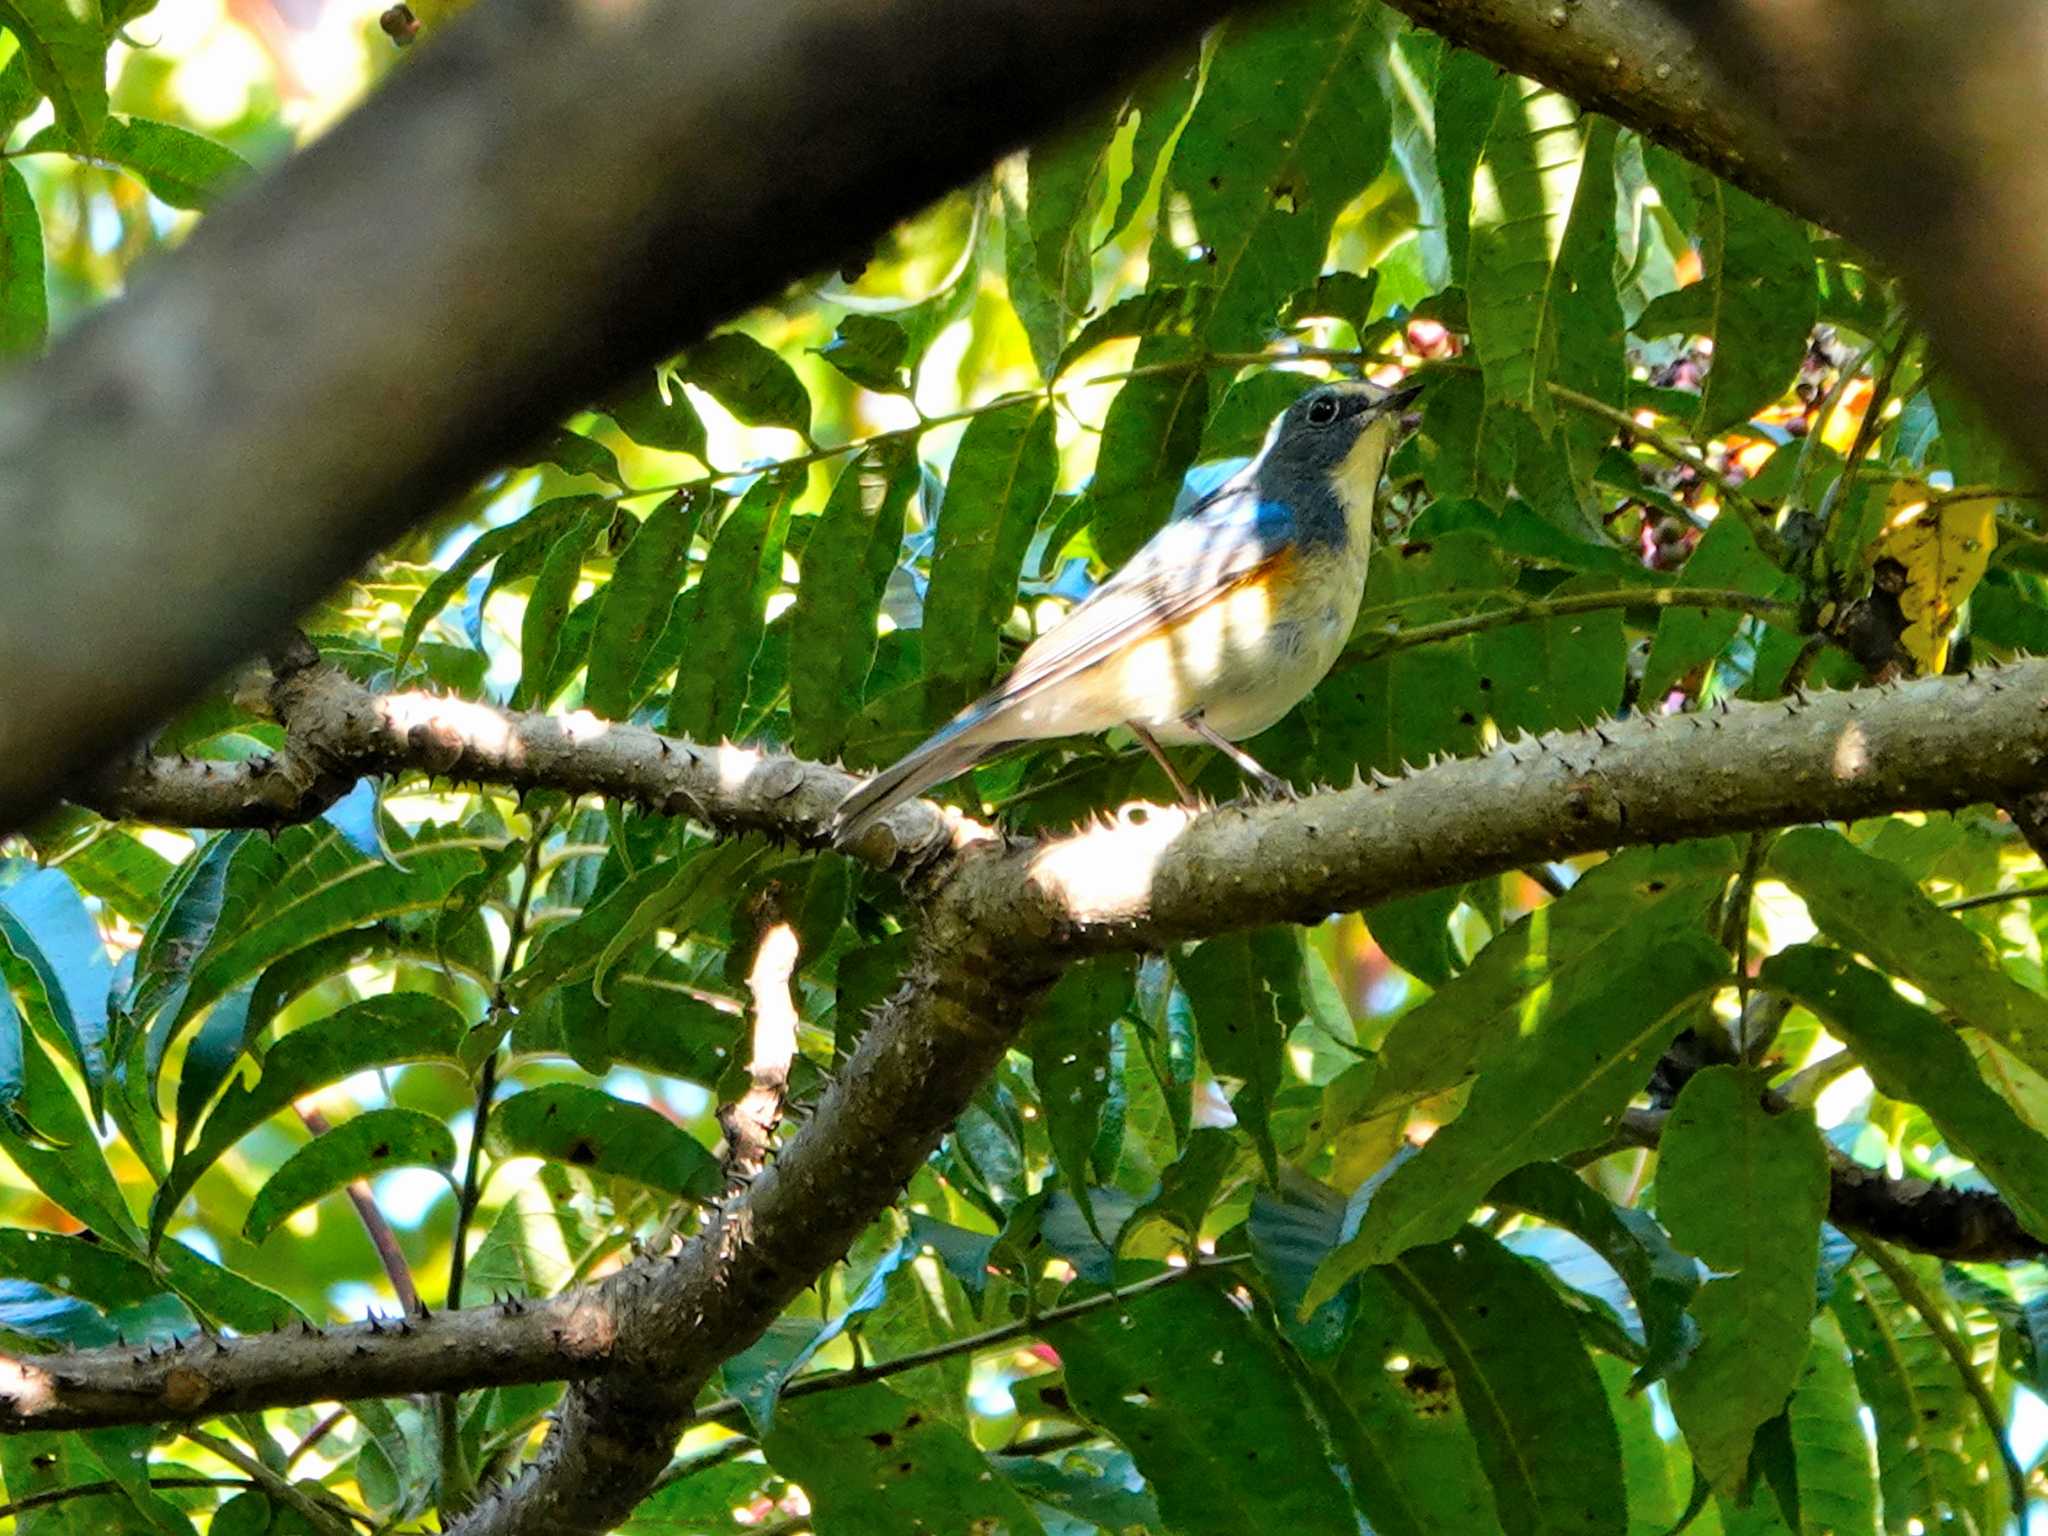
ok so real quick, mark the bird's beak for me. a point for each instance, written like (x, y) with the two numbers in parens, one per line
(1401, 398)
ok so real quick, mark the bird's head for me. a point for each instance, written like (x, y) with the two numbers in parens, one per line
(1335, 436)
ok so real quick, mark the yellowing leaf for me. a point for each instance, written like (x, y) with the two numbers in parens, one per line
(1944, 543)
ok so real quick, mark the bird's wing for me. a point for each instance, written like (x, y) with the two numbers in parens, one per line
(1226, 539)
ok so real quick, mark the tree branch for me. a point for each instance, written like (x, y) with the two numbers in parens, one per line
(1000, 921)
(434, 283)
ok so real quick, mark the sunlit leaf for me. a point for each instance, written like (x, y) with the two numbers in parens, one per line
(358, 1148)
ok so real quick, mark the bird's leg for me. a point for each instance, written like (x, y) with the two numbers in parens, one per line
(1180, 787)
(1271, 783)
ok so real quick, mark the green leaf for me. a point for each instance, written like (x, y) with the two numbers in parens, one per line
(1068, 1040)
(1001, 479)
(575, 454)
(1758, 275)
(65, 44)
(1535, 152)
(24, 297)
(729, 610)
(1178, 1374)
(1161, 104)
(1745, 1190)
(870, 351)
(588, 1128)
(875, 1463)
(1397, 1416)
(1726, 556)
(541, 635)
(356, 1149)
(545, 523)
(1976, 451)
(309, 884)
(123, 872)
(179, 167)
(1289, 128)
(845, 570)
(656, 414)
(77, 1266)
(707, 881)
(19, 95)
(1559, 673)
(1246, 992)
(1837, 1472)
(52, 953)
(747, 379)
(1163, 311)
(1051, 270)
(1914, 1057)
(1937, 1462)
(1149, 439)
(1661, 1280)
(636, 603)
(1620, 914)
(1555, 1089)
(377, 1032)
(1591, 333)
(1872, 906)
(77, 1177)
(1468, 93)
(1535, 1404)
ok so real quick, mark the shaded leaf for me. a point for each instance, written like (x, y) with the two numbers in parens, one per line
(1246, 992)
(636, 603)
(1745, 1190)
(358, 1148)
(24, 297)
(588, 1128)
(749, 380)
(729, 610)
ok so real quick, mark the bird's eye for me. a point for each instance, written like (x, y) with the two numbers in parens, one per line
(1322, 411)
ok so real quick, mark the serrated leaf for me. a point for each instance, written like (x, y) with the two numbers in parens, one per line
(636, 603)
(656, 413)
(845, 571)
(1149, 439)
(1468, 93)
(1180, 1372)
(1068, 1041)
(1758, 276)
(1620, 913)
(747, 379)
(874, 1463)
(1245, 991)
(870, 351)
(76, 1177)
(1661, 1280)
(729, 609)
(705, 882)
(589, 1129)
(1537, 1410)
(1726, 556)
(1872, 906)
(1001, 479)
(180, 168)
(65, 44)
(541, 527)
(1837, 1472)
(1397, 1417)
(1937, 1462)
(1522, 200)
(1555, 1089)
(1915, 1058)
(541, 636)
(1290, 127)
(575, 454)
(358, 1148)
(377, 1032)
(1745, 1190)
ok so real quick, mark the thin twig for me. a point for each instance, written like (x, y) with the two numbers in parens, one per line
(1523, 612)
(973, 1344)
(1992, 898)
(49, 1496)
(1911, 1292)
(314, 1436)
(382, 1238)
(282, 1489)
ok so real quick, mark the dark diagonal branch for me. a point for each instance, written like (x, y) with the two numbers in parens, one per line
(445, 275)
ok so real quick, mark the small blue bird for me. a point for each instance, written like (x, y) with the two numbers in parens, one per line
(1222, 623)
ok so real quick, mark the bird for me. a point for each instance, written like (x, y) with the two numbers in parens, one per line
(1219, 625)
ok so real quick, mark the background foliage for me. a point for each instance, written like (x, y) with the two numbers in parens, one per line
(1290, 1229)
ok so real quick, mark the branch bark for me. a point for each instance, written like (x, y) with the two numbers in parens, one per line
(1000, 920)
(446, 274)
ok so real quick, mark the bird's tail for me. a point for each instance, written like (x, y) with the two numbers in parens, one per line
(953, 749)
